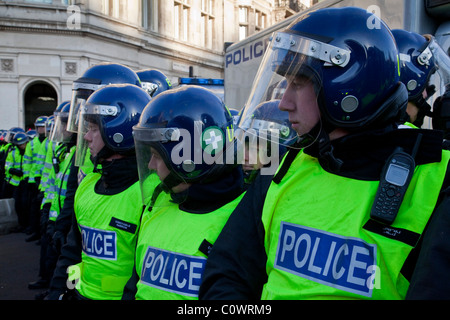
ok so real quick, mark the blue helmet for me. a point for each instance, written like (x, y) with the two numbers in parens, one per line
(360, 70)
(40, 121)
(415, 67)
(115, 109)
(425, 70)
(31, 134)
(60, 106)
(94, 78)
(11, 132)
(190, 119)
(154, 81)
(270, 118)
(354, 68)
(19, 138)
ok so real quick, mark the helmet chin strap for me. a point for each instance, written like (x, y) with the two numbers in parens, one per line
(318, 139)
(326, 157)
(103, 154)
(169, 182)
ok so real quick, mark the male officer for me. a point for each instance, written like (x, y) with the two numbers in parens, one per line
(107, 202)
(344, 213)
(188, 199)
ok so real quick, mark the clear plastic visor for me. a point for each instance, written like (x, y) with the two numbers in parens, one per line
(49, 125)
(80, 93)
(441, 59)
(90, 116)
(153, 169)
(60, 134)
(440, 79)
(291, 66)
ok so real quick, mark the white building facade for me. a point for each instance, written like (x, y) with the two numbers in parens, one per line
(47, 44)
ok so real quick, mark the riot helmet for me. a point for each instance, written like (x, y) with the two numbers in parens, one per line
(113, 110)
(31, 134)
(94, 78)
(40, 121)
(425, 70)
(344, 69)
(19, 138)
(154, 81)
(190, 130)
(11, 132)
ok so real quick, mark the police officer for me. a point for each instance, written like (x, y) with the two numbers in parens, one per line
(7, 190)
(55, 196)
(94, 78)
(318, 229)
(17, 177)
(188, 199)
(107, 202)
(34, 165)
(260, 136)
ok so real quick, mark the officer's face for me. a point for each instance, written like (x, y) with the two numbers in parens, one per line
(157, 164)
(251, 157)
(300, 101)
(94, 139)
(40, 130)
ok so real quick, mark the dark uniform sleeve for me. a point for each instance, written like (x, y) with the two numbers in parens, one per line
(236, 266)
(431, 277)
(70, 255)
(129, 292)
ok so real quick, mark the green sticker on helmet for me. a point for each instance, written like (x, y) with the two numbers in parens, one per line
(212, 140)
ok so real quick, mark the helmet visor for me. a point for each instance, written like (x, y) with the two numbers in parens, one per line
(49, 125)
(160, 186)
(439, 81)
(294, 62)
(80, 93)
(60, 134)
(90, 122)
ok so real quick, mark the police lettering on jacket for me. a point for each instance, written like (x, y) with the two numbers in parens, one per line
(99, 243)
(171, 271)
(341, 262)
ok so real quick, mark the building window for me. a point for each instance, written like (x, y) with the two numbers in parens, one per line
(207, 23)
(207, 6)
(181, 14)
(260, 20)
(111, 8)
(150, 14)
(243, 22)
